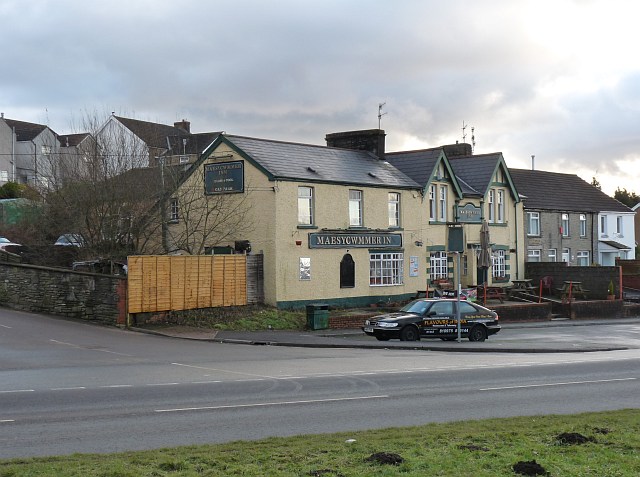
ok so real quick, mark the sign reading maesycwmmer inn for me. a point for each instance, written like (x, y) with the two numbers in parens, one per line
(224, 177)
(355, 240)
(470, 214)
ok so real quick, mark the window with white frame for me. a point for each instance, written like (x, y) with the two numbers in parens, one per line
(442, 202)
(582, 258)
(386, 269)
(438, 266)
(499, 268)
(533, 255)
(305, 205)
(533, 223)
(492, 197)
(500, 213)
(355, 208)
(394, 209)
(566, 255)
(552, 255)
(432, 203)
(583, 225)
(565, 225)
(603, 224)
(619, 225)
(173, 210)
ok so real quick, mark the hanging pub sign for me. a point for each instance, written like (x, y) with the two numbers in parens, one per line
(354, 240)
(470, 214)
(224, 177)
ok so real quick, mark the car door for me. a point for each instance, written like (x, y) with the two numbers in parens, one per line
(439, 320)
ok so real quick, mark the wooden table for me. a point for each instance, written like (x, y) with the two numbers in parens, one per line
(573, 289)
(491, 292)
(522, 285)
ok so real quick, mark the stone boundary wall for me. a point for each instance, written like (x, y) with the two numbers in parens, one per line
(595, 279)
(520, 313)
(630, 273)
(55, 291)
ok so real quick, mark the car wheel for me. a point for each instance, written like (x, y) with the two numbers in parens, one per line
(477, 333)
(409, 333)
(382, 338)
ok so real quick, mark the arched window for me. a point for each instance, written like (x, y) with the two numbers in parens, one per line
(347, 272)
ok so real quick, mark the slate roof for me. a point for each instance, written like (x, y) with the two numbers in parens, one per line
(196, 143)
(25, 131)
(70, 140)
(416, 164)
(558, 191)
(475, 172)
(306, 162)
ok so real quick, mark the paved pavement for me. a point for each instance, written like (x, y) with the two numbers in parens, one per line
(530, 337)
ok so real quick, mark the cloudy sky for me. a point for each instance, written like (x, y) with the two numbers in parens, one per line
(558, 79)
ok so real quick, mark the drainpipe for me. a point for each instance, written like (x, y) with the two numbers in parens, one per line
(13, 153)
(515, 214)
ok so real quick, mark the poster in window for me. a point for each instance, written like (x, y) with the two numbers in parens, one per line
(414, 266)
(305, 268)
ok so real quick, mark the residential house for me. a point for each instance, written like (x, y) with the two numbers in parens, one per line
(466, 190)
(27, 152)
(569, 220)
(335, 225)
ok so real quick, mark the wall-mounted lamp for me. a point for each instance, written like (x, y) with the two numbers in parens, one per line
(298, 242)
(418, 243)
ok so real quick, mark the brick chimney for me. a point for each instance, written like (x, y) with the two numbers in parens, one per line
(184, 125)
(371, 140)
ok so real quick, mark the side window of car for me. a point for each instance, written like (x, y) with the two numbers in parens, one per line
(466, 307)
(442, 308)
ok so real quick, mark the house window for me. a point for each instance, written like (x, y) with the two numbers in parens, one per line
(439, 266)
(603, 224)
(394, 209)
(499, 269)
(305, 205)
(533, 223)
(582, 258)
(565, 225)
(583, 225)
(432, 203)
(500, 206)
(465, 265)
(443, 203)
(355, 208)
(173, 210)
(386, 269)
(552, 255)
(492, 196)
(533, 256)
(566, 255)
(619, 225)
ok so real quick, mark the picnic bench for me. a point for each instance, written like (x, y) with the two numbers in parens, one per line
(488, 293)
(571, 289)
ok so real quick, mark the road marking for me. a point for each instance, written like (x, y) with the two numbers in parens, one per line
(568, 383)
(117, 386)
(68, 389)
(223, 371)
(263, 404)
(163, 384)
(7, 420)
(5, 326)
(18, 391)
(89, 349)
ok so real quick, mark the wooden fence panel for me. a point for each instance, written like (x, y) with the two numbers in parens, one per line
(164, 283)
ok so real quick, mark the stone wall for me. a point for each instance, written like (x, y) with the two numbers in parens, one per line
(630, 273)
(595, 279)
(54, 291)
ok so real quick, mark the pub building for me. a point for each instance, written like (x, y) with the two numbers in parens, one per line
(348, 225)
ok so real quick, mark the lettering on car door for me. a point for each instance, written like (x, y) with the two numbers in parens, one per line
(440, 319)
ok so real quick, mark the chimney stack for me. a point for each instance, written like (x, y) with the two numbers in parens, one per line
(184, 125)
(371, 140)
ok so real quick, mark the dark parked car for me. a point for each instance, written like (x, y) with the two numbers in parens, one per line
(429, 318)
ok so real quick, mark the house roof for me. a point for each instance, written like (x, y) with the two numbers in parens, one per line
(163, 136)
(614, 244)
(25, 131)
(475, 172)
(312, 163)
(70, 140)
(418, 165)
(558, 191)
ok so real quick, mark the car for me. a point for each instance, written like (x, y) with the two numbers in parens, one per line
(5, 242)
(434, 318)
(73, 240)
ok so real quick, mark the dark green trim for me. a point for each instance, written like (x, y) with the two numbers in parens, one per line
(308, 227)
(500, 247)
(386, 250)
(499, 224)
(436, 248)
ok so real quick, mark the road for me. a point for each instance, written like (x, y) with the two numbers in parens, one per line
(70, 387)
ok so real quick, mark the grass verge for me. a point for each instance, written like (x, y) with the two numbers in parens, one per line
(604, 444)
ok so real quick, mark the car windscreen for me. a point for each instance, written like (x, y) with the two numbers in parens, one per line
(418, 307)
